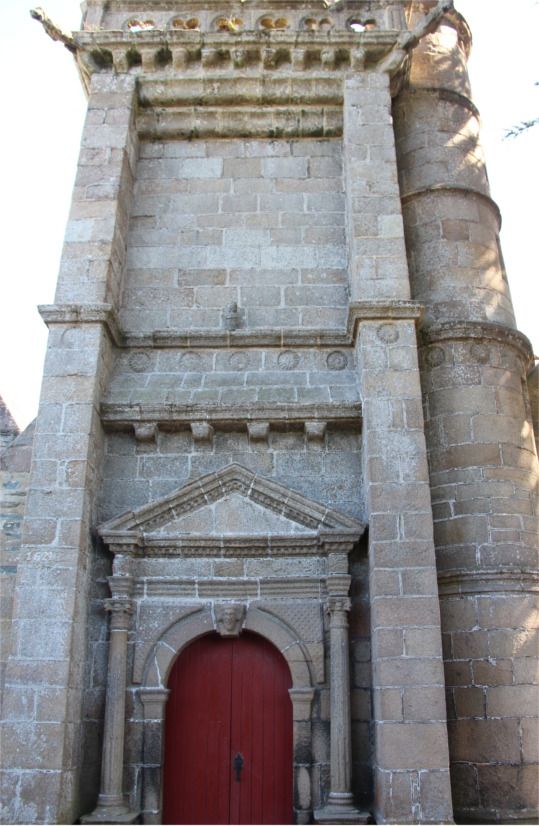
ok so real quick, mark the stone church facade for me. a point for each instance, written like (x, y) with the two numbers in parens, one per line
(284, 400)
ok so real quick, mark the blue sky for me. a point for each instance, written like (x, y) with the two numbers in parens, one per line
(40, 141)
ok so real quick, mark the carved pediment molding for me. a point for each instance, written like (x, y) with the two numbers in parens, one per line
(290, 523)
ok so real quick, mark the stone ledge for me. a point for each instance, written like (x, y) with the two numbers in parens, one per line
(473, 330)
(457, 189)
(257, 121)
(180, 416)
(499, 581)
(359, 311)
(448, 95)
(203, 338)
(70, 314)
(226, 545)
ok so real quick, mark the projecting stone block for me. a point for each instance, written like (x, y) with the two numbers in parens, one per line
(259, 432)
(202, 433)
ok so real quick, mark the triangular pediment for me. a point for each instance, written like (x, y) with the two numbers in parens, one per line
(235, 502)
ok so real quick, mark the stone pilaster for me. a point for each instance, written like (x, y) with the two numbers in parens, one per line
(154, 701)
(377, 255)
(49, 642)
(411, 753)
(302, 699)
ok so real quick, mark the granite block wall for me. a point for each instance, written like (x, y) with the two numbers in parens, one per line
(255, 224)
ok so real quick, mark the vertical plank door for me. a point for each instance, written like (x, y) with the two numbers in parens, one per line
(228, 697)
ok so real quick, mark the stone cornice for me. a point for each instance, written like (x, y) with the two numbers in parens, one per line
(70, 314)
(359, 311)
(220, 52)
(126, 416)
(225, 545)
(478, 330)
(281, 337)
(500, 580)
(456, 189)
(442, 94)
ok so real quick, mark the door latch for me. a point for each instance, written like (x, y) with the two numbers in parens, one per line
(238, 766)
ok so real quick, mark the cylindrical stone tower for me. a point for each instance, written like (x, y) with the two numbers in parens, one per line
(482, 457)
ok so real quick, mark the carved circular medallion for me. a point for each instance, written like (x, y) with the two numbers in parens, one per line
(337, 360)
(387, 333)
(139, 362)
(288, 360)
(191, 362)
(238, 361)
(480, 353)
(435, 356)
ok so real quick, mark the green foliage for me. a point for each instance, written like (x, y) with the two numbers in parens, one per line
(521, 127)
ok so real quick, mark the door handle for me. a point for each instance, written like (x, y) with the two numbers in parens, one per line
(238, 766)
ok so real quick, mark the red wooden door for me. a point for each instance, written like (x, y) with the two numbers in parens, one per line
(228, 697)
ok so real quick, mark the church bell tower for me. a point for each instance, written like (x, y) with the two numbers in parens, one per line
(280, 531)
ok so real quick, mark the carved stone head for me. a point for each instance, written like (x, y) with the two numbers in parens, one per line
(229, 618)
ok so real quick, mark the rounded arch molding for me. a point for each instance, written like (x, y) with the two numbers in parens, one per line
(187, 629)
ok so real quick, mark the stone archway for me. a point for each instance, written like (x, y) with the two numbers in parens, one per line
(155, 693)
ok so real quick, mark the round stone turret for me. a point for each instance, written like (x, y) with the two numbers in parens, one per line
(482, 459)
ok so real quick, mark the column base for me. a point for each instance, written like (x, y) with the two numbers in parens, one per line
(340, 809)
(118, 814)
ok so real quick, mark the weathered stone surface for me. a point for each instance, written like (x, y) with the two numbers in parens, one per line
(281, 314)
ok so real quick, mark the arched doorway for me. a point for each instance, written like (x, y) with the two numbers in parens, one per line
(228, 734)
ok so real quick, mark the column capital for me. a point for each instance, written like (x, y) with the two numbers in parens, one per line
(120, 610)
(338, 608)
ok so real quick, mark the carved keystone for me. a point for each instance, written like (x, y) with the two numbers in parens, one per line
(229, 618)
